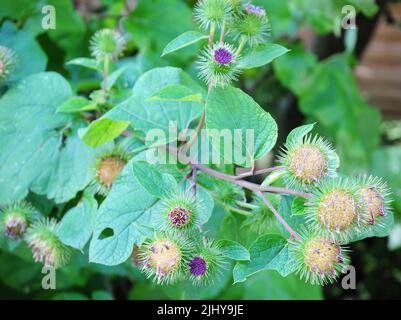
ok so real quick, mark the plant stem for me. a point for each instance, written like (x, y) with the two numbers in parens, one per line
(224, 176)
(211, 35)
(259, 189)
(293, 234)
(197, 132)
(246, 205)
(246, 184)
(223, 31)
(209, 87)
(241, 45)
(194, 178)
(239, 211)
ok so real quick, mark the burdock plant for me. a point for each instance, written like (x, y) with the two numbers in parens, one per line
(16, 218)
(206, 264)
(107, 166)
(251, 26)
(180, 211)
(45, 243)
(107, 45)
(218, 65)
(212, 13)
(308, 161)
(165, 257)
(319, 259)
(171, 217)
(335, 208)
(375, 199)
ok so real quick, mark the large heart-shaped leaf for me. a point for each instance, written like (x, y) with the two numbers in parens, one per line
(33, 154)
(122, 220)
(77, 224)
(244, 131)
(70, 173)
(29, 148)
(268, 252)
(156, 183)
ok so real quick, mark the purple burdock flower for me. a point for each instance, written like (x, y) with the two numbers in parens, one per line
(197, 266)
(259, 11)
(179, 216)
(15, 226)
(223, 56)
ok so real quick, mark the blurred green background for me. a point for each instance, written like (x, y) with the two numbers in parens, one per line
(332, 76)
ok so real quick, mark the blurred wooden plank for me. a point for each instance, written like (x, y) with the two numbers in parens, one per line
(379, 72)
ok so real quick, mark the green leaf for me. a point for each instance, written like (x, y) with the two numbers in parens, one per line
(368, 7)
(386, 164)
(328, 93)
(16, 9)
(77, 224)
(185, 290)
(30, 148)
(378, 230)
(69, 296)
(115, 75)
(103, 130)
(176, 93)
(152, 180)
(394, 239)
(232, 109)
(298, 206)
(273, 177)
(148, 115)
(233, 250)
(295, 68)
(162, 166)
(184, 40)
(122, 220)
(296, 222)
(17, 273)
(269, 285)
(152, 28)
(70, 32)
(205, 199)
(297, 134)
(71, 172)
(77, 104)
(101, 295)
(268, 252)
(30, 57)
(261, 55)
(213, 226)
(84, 62)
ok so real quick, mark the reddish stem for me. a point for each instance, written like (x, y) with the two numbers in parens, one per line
(293, 234)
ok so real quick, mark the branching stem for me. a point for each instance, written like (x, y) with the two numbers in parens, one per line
(293, 234)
